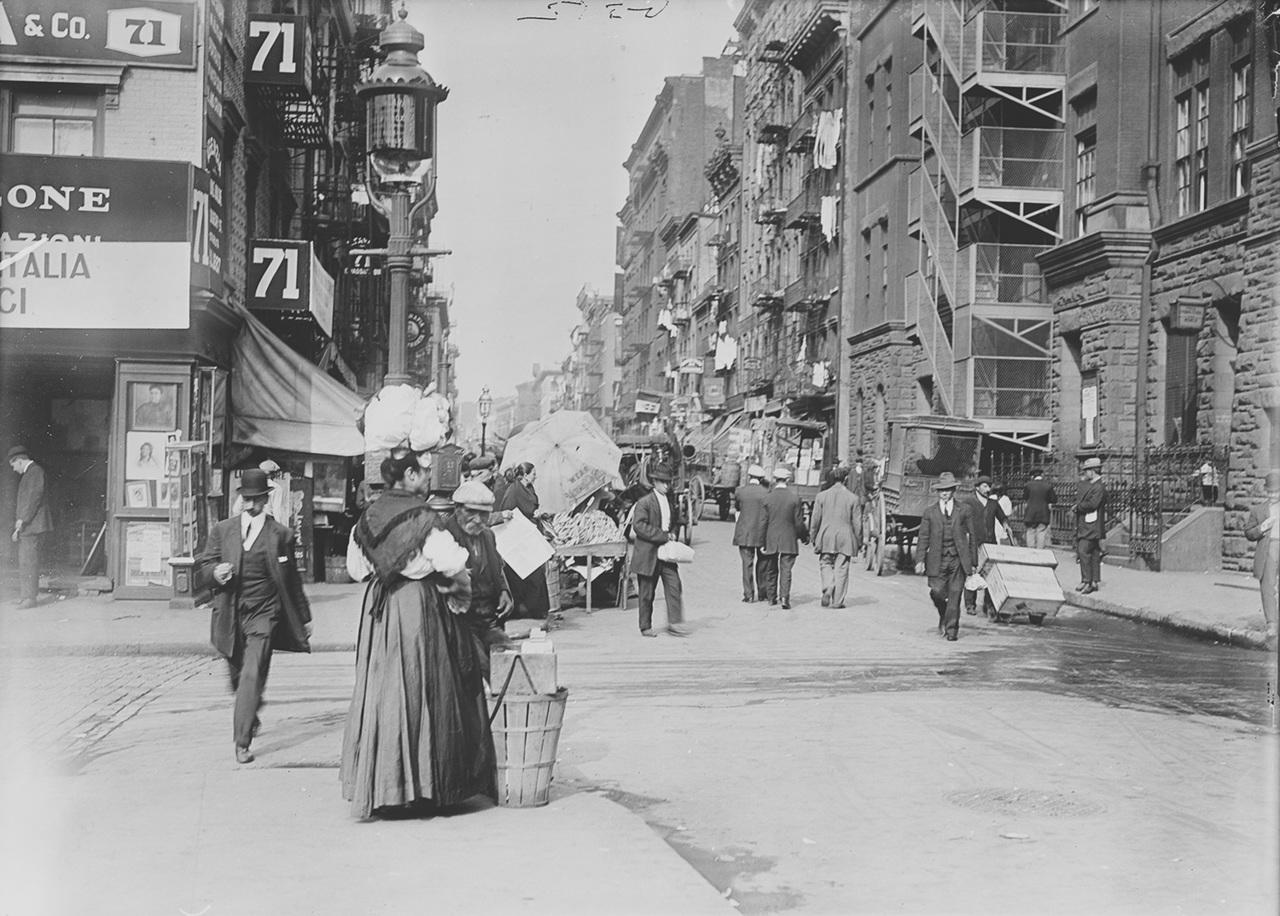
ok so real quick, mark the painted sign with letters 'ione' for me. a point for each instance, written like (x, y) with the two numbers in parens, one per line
(141, 34)
(76, 233)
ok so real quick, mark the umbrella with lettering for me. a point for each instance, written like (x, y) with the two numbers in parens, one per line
(573, 456)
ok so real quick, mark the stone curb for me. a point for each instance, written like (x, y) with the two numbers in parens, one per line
(1215, 632)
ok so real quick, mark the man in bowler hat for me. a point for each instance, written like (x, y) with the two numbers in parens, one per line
(654, 523)
(31, 519)
(949, 538)
(258, 602)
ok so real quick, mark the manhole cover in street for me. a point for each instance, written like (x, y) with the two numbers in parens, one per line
(1024, 801)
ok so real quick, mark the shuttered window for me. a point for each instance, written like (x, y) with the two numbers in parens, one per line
(1180, 389)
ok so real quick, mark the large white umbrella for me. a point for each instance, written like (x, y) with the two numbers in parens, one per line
(573, 456)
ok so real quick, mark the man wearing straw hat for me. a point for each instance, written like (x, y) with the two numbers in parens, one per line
(258, 602)
(748, 532)
(949, 539)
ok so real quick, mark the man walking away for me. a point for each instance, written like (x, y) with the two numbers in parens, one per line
(1089, 531)
(949, 539)
(258, 602)
(1263, 519)
(31, 519)
(654, 522)
(748, 531)
(783, 534)
(833, 533)
(1036, 516)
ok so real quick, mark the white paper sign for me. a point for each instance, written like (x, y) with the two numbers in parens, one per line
(521, 546)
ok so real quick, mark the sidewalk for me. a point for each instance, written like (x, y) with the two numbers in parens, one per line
(1221, 606)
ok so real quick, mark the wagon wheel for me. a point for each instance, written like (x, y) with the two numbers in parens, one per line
(697, 498)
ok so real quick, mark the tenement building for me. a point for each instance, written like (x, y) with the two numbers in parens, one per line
(167, 175)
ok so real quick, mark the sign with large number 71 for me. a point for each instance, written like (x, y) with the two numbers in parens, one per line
(276, 51)
(284, 275)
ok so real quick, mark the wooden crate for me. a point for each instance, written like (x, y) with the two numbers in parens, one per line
(1019, 589)
(1021, 556)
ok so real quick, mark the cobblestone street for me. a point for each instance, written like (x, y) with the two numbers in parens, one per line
(66, 705)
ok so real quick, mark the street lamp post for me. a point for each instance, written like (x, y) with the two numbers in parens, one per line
(400, 102)
(484, 406)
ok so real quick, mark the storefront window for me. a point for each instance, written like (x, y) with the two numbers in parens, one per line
(57, 122)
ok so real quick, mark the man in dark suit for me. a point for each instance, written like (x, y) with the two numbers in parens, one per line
(1035, 516)
(1263, 519)
(1089, 526)
(258, 602)
(784, 532)
(654, 521)
(31, 519)
(949, 539)
(748, 530)
(986, 512)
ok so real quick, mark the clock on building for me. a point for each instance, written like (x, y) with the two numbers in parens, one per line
(417, 334)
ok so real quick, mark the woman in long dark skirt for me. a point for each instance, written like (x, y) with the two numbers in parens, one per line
(530, 594)
(417, 733)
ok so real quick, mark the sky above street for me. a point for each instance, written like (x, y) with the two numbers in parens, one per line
(540, 116)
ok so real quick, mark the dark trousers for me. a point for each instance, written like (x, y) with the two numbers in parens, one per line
(29, 567)
(767, 575)
(945, 589)
(248, 667)
(671, 589)
(1089, 550)
(785, 562)
(486, 630)
(751, 584)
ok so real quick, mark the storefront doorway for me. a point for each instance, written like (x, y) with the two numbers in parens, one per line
(60, 409)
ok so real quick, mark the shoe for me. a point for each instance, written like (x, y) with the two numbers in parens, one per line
(243, 755)
(786, 605)
(971, 611)
(677, 631)
(838, 607)
(649, 633)
(1081, 586)
(773, 602)
(826, 600)
(1089, 589)
(746, 600)
(25, 603)
(951, 637)
(257, 724)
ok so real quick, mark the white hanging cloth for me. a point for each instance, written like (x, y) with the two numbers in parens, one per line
(821, 373)
(826, 139)
(828, 218)
(726, 353)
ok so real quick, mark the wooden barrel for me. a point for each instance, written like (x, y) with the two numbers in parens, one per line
(526, 732)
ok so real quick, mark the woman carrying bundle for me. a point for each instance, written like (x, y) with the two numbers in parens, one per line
(531, 596)
(417, 733)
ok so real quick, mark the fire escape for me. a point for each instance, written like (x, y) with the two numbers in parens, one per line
(987, 107)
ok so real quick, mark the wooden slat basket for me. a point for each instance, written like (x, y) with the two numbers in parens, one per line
(526, 732)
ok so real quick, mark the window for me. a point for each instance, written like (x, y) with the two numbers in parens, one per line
(888, 113)
(884, 264)
(53, 122)
(871, 133)
(1241, 126)
(1086, 148)
(1191, 130)
(866, 272)
(1181, 388)
(1182, 153)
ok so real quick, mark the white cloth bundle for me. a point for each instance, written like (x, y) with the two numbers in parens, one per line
(675, 552)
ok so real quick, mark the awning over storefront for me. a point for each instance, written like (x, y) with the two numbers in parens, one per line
(281, 401)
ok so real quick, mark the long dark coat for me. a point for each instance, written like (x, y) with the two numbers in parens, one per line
(1040, 497)
(784, 521)
(963, 531)
(1264, 561)
(646, 521)
(1092, 499)
(225, 545)
(748, 531)
(32, 507)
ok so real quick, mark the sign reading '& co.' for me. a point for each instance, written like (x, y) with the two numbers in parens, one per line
(149, 34)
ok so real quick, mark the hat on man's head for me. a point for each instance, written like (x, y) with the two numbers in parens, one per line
(946, 481)
(1093, 464)
(1273, 481)
(983, 479)
(253, 482)
(18, 451)
(474, 495)
(781, 473)
(660, 471)
(270, 467)
(756, 471)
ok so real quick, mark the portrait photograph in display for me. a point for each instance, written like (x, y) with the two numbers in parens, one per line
(164, 491)
(153, 405)
(137, 494)
(144, 455)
